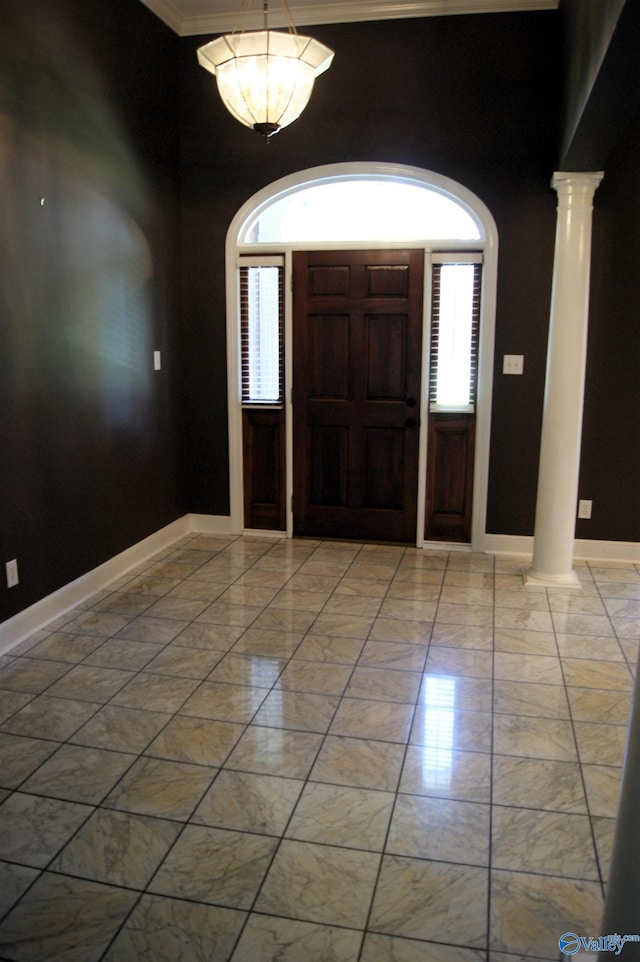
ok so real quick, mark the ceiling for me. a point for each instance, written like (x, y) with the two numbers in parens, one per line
(192, 17)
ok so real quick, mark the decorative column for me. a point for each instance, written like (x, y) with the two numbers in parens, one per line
(559, 468)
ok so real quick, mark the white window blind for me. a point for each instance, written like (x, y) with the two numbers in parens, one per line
(262, 332)
(454, 334)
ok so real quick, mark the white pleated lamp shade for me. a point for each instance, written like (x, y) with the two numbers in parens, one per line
(265, 77)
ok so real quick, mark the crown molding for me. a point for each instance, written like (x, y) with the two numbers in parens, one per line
(332, 11)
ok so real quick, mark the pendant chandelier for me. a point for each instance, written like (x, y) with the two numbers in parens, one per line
(265, 77)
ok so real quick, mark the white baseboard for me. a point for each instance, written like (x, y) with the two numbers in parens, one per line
(26, 622)
(593, 551)
(38, 615)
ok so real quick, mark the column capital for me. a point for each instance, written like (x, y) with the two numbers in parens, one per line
(576, 188)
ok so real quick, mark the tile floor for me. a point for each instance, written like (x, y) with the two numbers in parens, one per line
(315, 752)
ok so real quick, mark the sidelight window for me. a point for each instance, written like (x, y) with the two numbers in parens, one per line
(454, 332)
(262, 330)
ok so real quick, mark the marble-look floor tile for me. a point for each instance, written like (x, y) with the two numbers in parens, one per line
(32, 675)
(301, 710)
(538, 783)
(436, 901)
(524, 698)
(184, 662)
(462, 636)
(246, 802)
(531, 737)
(414, 591)
(14, 882)
(600, 744)
(275, 751)
(461, 692)
(361, 718)
(386, 948)
(121, 729)
(341, 815)
(523, 618)
(155, 692)
(603, 833)
(216, 866)
(11, 702)
(549, 843)
(328, 648)
(359, 762)
(320, 883)
(65, 919)
(523, 598)
(470, 615)
(79, 774)
(535, 669)
(378, 684)
(20, 756)
(61, 646)
(344, 626)
(446, 728)
(120, 653)
(46, 717)
(266, 938)
(466, 594)
(241, 616)
(158, 631)
(602, 783)
(200, 741)
(529, 912)
(165, 930)
(524, 642)
(440, 828)
(584, 673)
(350, 604)
(300, 600)
(118, 848)
(393, 654)
(257, 671)
(420, 613)
(283, 620)
(102, 623)
(34, 829)
(166, 789)
(212, 637)
(460, 661)
(89, 683)
(231, 703)
(603, 707)
(567, 623)
(445, 773)
(306, 676)
(268, 643)
(588, 646)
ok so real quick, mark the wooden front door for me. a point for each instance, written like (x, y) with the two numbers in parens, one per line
(357, 332)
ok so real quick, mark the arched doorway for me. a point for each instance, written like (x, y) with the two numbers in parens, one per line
(414, 209)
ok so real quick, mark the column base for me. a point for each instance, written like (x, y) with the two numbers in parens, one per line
(538, 579)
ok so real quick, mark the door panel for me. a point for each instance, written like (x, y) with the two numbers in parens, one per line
(450, 477)
(357, 331)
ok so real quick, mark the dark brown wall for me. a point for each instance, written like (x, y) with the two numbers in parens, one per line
(88, 285)
(610, 474)
(471, 97)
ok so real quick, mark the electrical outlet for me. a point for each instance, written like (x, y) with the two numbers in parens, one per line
(12, 573)
(513, 364)
(584, 509)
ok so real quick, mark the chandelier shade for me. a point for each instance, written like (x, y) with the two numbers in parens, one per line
(265, 77)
